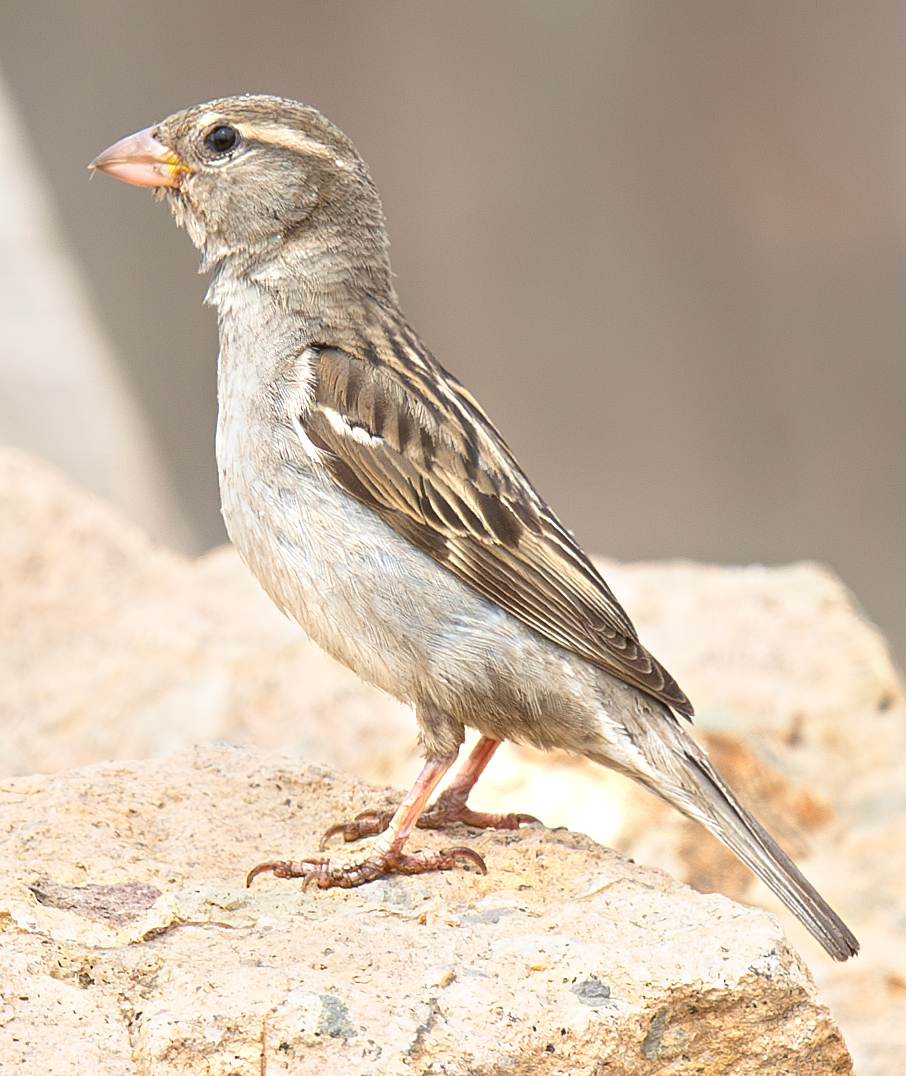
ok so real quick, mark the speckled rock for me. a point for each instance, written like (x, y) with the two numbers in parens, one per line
(129, 944)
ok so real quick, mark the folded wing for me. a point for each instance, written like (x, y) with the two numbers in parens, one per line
(421, 453)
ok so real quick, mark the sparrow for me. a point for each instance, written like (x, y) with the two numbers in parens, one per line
(380, 508)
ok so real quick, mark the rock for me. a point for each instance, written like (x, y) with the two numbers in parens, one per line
(110, 647)
(130, 945)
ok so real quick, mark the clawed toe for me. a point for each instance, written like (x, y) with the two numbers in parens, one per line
(365, 824)
(468, 854)
(442, 814)
(277, 867)
(327, 873)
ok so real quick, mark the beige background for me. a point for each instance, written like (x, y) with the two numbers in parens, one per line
(663, 243)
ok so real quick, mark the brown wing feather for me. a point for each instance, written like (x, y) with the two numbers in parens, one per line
(439, 473)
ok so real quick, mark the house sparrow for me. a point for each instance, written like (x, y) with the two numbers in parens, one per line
(380, 508)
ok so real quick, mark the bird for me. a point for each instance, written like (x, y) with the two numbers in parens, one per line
(381, 510)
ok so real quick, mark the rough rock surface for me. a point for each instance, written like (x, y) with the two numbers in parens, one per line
(112, 648)
(130, 946)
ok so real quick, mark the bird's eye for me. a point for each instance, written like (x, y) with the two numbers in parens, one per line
(221, 139)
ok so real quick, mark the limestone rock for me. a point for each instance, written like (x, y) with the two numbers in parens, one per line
(129, 944)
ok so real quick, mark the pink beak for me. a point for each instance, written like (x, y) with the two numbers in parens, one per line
(143, 161)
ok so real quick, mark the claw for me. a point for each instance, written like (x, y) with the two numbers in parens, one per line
(468, 854)
(261, 868)
(340, 827)
(365, 824)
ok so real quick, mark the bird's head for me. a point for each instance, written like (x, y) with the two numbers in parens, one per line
(260, 181)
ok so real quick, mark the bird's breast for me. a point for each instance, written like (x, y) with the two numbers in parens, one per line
(325, 559)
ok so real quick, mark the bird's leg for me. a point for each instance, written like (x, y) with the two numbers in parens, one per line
(450, 805)
(386, 856)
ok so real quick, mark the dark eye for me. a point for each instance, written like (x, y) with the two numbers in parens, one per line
(221, 139)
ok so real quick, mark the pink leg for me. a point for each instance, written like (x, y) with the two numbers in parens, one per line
(387, 856)
(450, 805)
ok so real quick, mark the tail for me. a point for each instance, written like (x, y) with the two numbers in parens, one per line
(698, 791)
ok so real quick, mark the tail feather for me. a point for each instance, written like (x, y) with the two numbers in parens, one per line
(708, 799)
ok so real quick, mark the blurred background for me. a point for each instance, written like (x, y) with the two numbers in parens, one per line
(664, 244)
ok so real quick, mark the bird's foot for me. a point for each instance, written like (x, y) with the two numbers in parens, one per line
(327, 873)
(450, 806)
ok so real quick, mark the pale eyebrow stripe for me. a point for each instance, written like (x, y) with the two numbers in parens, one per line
(287, 139)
